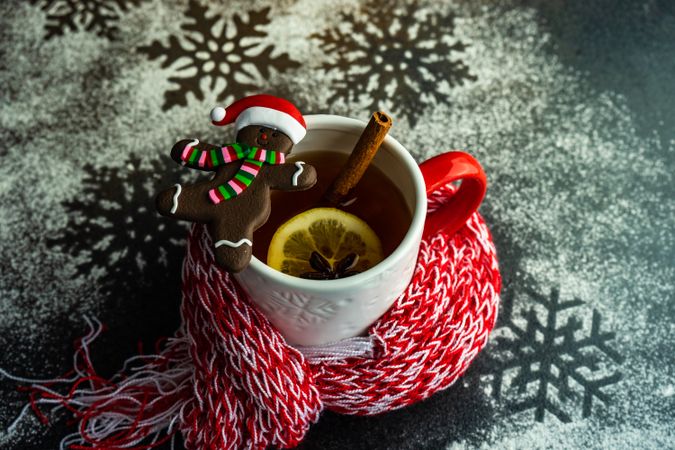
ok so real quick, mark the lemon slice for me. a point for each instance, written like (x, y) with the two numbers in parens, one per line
(324, 243)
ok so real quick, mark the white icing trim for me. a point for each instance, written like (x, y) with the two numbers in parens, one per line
(174, 207)
(298, 172)
(186, 149)
(239, 243)
(268, 117)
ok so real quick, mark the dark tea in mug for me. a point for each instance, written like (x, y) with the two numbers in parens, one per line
(375, 200)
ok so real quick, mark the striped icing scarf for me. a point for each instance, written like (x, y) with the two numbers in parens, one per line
(253, 157)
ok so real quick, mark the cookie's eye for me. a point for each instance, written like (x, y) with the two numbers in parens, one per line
(275, 134)
(262, 130)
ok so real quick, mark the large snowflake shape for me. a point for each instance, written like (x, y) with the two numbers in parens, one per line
(113, 223)
(97, 16)
(543, 364)
(403, 54)
(227, 56)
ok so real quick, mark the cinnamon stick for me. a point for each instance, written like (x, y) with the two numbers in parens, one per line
(364, 151)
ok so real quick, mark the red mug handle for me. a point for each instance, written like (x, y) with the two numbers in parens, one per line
(444, 169)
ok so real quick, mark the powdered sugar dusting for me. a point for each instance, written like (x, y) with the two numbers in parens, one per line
(580, 198)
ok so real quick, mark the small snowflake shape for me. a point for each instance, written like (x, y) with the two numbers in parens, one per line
(305, 310)
(547, 364)
(396, 53)
(214, 50)
(98, 16)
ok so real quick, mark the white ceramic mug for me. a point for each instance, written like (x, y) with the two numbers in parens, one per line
(318, 312)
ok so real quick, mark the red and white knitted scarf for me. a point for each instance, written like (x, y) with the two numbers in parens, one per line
(228, 380)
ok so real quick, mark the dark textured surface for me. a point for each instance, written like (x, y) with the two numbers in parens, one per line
(568, 105)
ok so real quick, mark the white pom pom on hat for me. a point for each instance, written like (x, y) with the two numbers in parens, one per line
(217, 114)
(265, 110)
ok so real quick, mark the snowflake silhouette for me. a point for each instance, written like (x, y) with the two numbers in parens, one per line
(97, 16)
(541, 365)
(399, 53)
(231, 56)
(115, 224)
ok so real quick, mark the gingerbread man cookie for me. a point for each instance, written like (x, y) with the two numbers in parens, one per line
(236, 201)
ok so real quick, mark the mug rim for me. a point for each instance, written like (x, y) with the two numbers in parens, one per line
(410, 240)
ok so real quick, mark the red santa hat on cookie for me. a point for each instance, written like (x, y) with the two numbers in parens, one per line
(265, 110)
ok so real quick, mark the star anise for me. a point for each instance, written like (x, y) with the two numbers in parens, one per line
(325, 271)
